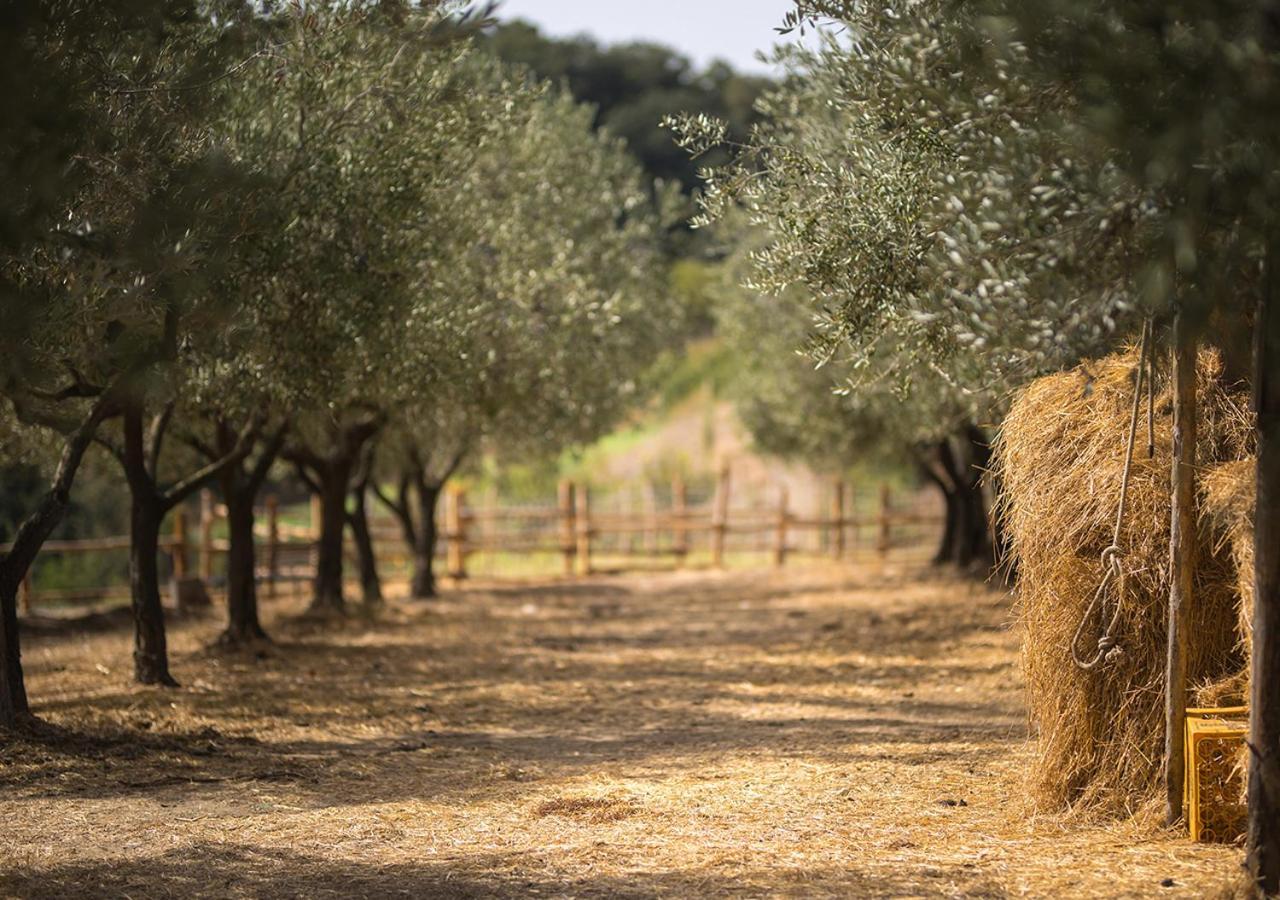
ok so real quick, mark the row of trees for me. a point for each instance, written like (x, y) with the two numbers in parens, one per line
(337, 239)
(966, 196)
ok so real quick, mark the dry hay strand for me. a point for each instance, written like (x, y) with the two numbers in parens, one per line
(1227, 500)
(593, 810)
(1060, 458)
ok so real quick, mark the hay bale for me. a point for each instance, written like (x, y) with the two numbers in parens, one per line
(1227, 493)
(1060, 458)
(1226, 509)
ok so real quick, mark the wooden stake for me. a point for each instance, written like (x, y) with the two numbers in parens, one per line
(651, 516)
(720, 518)
(680, 532)
(780, 535)
(564, 498)
(1263, 836)
(180, 559)
(836, 536)
(582, 500)
(882, 541)
(273, 543)
(455, 534)
(1182, 559)
(206, 535)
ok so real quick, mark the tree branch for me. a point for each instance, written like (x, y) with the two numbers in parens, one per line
(312, 484)
(267, 457)
(36, 528)
(155, 437)
(400, 509)
(196, 480)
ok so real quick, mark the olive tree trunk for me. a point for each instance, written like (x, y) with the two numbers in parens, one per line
(423, 584)
(241, 484)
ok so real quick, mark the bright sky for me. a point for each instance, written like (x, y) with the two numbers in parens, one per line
(703, 30)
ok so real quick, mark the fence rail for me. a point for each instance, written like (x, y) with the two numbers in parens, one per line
(581, 528)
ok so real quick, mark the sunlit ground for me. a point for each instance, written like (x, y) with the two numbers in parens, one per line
(813, 732)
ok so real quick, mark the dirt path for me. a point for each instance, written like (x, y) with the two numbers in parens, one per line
(820, 734)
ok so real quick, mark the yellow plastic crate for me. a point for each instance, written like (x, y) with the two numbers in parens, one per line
(1216, 775)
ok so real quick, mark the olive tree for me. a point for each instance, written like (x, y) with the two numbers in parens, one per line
(120, 220)
(553, 298)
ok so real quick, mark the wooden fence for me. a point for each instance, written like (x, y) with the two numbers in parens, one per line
(582, 532)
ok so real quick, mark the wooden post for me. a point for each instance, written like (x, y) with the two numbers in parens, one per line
(582, 502)
(837, 520)
(26, 594)
(651, 517)
(180, 559)
(455, 534)
(1263, 836)
(720, 518)
(273, 543)
(1182, 559)
(680, 530)
(882, 541)
(780, 536)
(206, 535)
(564, 495)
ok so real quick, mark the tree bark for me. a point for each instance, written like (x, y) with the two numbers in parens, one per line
(30, 536)
(146, 512)
(240, 485)
(964, 544)
(978, 457)
(150, 649)
(423, 584)
(1182, 564)
(1263, 845)
(244, 629)
(935, 473)
(370, 583)
(14, 708)
(328, 597)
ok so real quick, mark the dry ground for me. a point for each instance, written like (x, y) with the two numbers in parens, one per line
(809, 733)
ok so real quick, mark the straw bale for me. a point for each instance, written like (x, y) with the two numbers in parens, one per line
(1228, 499)
(1060, 456)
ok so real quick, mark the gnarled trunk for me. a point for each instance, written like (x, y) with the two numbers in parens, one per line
(240, 485)
(370, 583)
(328, 597)
(150, 648)
(13, 691)
(31, 534)
(243, 626)
(423, 584)
(933, 471)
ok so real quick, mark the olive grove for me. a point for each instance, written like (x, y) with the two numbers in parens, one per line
(334, 238)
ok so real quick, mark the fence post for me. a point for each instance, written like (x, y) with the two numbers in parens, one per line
(680, 527)
(651, 517)
(837, 520)
(882, 542)
(582, 501)
(455, 534)
(26, 594)
(720, 518)
(564, 495)
(180, 559)
(780, 536)
(206, 535)
(273, 543)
